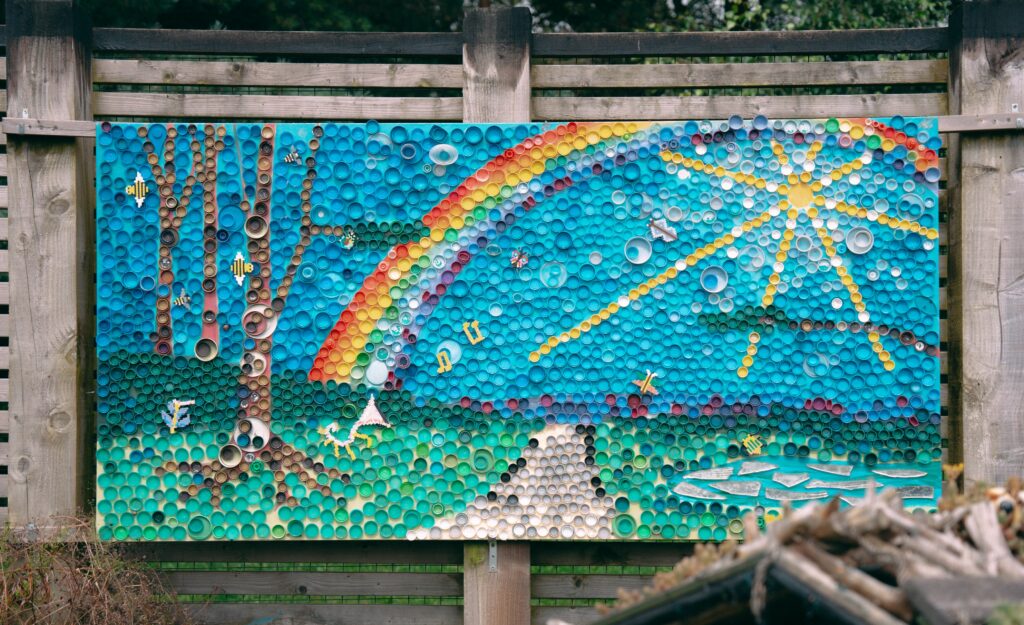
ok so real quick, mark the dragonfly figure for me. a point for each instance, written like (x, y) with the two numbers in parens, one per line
(177, 414)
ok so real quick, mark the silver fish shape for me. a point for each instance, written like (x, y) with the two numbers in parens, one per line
(851, 485)
(835, 469)
(790, 480)
(916, 492)
(781, 495)
(753, 466)
(737, 487)
(689, 490)
(852, 501)
(899, 473)
(719, 473)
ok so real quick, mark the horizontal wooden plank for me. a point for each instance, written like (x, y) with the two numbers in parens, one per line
(5, 296)
(721, 106)
(541, 615)
(3, 237)
(3, 165)
(258, 42)
(318, 614)
(609, 553)
(303, 583)
(5, 389)
(49, 128)
(584, 586)
(243, 74)
(5, 421)
(980, 123)
(215, 106)
(3, 485)
(3, 67)
(738, 74)
(765, 43)
(362, 552)
(5, 356)
(3, 199)
(5, 450)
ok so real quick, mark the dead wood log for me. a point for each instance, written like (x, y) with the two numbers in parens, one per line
(888, 598)
(816, 580)
(983, 528)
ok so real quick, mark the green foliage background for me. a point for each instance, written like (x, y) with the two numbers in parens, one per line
(549, 15)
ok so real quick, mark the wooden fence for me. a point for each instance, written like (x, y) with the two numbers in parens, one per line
(495, 70)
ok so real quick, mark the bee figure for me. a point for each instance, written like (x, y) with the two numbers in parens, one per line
(240, 268)
(183, 299)
(293, 157)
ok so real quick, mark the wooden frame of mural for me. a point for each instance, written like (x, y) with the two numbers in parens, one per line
(618, 330)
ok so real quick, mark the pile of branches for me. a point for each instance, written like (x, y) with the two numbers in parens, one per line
(861, 558)
(66, 576)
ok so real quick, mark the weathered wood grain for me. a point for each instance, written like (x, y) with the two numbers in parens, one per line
(254, 74)
(764, 43)
(211, 106)
(986, 247)
(319, 614)
(609, 553)
(584, 586)
(3, 165)
(51, 263)
(49, 127)
(642, 76)
(4, 197)
(576, 616)
(720, 106)
(257, 42)
(500, 596)
(496, 65)
(302, 583)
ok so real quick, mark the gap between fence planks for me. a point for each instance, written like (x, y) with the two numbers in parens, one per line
(646, 76)
(255, 74)
(261, 42)
(221, 106)
(749, 43)
(720, 107)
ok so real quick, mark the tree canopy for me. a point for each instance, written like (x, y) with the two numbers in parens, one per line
(558, 15)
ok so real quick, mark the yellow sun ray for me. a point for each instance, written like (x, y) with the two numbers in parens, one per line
(856, 298)
(886, 220)
(700, 166)
(642, 289)
(769, 291)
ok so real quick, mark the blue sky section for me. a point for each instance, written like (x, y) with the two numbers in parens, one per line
(580, 233)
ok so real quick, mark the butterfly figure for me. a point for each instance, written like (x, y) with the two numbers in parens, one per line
(519, 259)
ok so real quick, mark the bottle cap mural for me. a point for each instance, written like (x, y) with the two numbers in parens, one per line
(522, 331)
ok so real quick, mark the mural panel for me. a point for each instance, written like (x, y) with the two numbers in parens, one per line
(526, 331)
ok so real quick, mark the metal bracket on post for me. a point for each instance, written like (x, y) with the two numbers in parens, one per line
(492, 556)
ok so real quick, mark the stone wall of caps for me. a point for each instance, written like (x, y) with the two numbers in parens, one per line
(597, 331)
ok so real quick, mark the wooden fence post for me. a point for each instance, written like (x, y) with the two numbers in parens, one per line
(986, 241)
(496, 70)
(51, 262)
